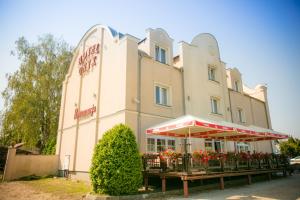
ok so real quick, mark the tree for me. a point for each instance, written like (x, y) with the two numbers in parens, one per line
(33, 93)
(116, 165)
(291, 147)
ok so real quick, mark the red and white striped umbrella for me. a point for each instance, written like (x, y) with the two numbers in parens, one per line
(190, 126)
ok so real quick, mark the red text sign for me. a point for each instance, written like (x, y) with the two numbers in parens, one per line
(84, 113)
(88, 59)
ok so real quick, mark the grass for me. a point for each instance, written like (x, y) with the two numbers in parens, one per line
(60, 186)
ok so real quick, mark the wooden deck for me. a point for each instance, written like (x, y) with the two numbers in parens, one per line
(200, 175)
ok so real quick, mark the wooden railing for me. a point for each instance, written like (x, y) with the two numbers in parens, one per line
(189, 163)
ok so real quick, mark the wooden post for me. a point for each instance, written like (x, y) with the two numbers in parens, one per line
(146, 182)
(185, 188)
(222, 183)
(201, 181)
(163, 184)
(269, 176)
(249, 179)
(284, 173)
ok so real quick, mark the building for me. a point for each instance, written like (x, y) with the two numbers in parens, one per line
(118, 78)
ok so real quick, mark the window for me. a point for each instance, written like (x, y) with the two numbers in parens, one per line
(171, 144)
(243, 146)
(236, 86)
(241, 115)
(219, 146)
(162, 95)
(215, 105)
(161, 145)
(160, 54)
(208, 145)
(212, 73)
(150, 144)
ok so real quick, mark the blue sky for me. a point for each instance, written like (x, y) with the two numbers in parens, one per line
(261, 38)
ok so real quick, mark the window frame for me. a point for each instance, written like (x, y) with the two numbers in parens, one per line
(165, 143)
(154, 145)
(236, 86)
(212, 76)
(161, 146)
(215, 110)
(222, 145)
(171, 146)
(241, 147)
(168, 95)
(159, 55)
(209, 141)
(241, 115)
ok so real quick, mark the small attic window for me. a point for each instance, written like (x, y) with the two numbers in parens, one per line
(160, 54)
(236, 86)
(211, 73)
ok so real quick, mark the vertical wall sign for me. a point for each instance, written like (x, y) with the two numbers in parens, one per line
(88, 59)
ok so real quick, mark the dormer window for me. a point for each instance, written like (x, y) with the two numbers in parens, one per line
(160, 54)
(236, 86)
(212, 73)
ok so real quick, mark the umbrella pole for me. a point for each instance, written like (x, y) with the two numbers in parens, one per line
(190, 143)
(185, 156)
(225, 145)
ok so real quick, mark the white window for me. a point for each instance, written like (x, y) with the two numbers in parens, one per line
(171, 144)
(243, 146)
(212, 73)
(219, 146)
(161, 145)
(215, 102)
(160, 54)
(236, 86)
(150, 145)
(162, 95)
(241, 115)
(208, 144)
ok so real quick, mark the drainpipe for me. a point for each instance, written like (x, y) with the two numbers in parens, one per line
(138, 102)
(183, 90)
(231, 115)
(268, 122)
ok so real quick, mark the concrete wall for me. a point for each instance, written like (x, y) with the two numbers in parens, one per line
(18, 166)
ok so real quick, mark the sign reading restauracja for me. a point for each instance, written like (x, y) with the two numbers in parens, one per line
(115, 78)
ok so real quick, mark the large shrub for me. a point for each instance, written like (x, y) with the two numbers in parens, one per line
(116, 165)
(291, 147)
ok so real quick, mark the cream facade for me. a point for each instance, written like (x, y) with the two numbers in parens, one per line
(116, 78)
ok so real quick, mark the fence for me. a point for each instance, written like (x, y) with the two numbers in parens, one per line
(18, 166)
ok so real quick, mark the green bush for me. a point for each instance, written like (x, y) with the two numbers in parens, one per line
(50, 147)
(116, 165)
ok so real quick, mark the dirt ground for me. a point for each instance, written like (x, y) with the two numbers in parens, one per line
(282, 188)
(48, 189)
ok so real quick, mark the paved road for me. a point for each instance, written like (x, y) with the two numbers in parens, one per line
(284, 188)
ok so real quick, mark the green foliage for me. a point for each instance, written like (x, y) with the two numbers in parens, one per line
(33, 93)
(50, 146)
(116, 165)
(291, 147)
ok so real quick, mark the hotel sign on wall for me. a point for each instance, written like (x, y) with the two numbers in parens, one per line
(84, 113)
(88, 59)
